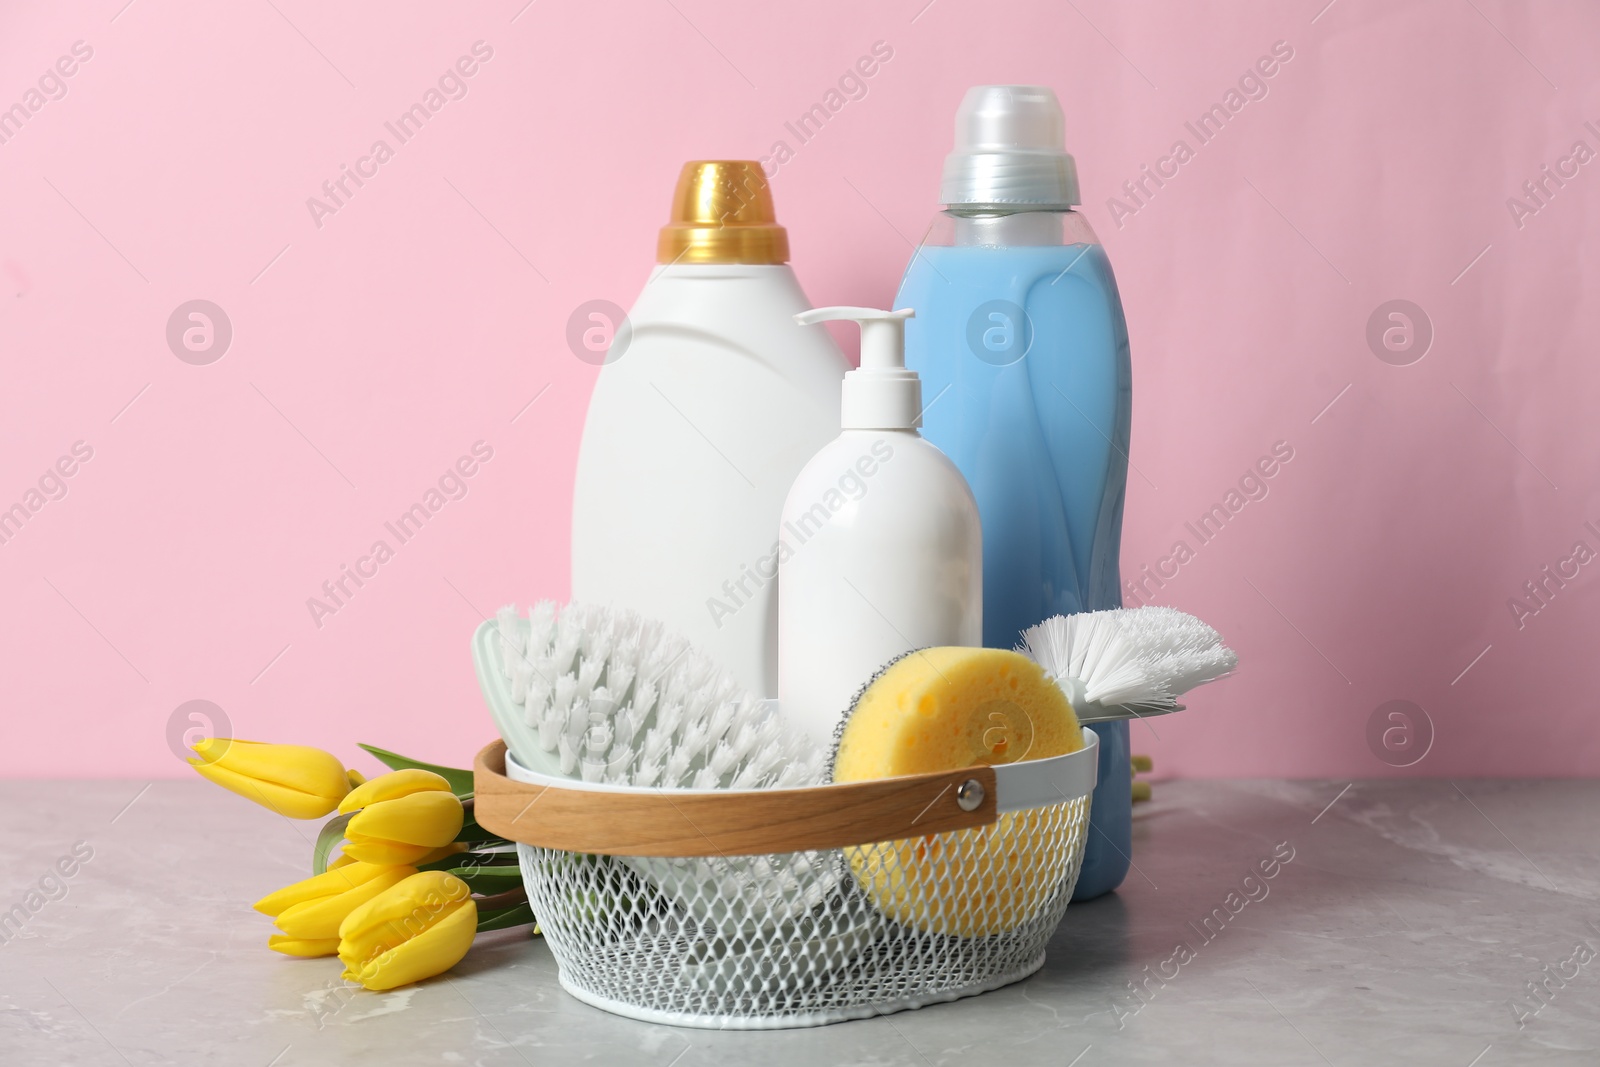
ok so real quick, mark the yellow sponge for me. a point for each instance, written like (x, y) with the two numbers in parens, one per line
(941, 709)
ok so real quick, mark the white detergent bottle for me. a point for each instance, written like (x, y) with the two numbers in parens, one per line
(707, 407)
(880, 548)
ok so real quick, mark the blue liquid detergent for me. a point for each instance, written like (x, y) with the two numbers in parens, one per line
(1023, 353)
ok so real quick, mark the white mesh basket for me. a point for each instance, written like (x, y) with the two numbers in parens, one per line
(734, 909)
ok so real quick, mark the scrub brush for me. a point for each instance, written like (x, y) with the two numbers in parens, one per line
(605, 695)
(1127, 662)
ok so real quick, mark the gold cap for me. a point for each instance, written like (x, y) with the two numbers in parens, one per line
(722, 213)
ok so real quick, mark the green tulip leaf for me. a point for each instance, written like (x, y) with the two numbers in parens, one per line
(474, 858)
(472, 832)
(490, 852)
(460, 780)
(327, 840)
(505, 918)
(490, 880)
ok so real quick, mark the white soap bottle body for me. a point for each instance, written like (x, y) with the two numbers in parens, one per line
(881, 553)
(693, 436)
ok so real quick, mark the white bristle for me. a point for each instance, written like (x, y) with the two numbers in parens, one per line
(647, 773)
(613, 696)
(771, 774)
(508, 655)
(721, 719)
(668, 688)
(793, 774)
(672, 647)
(597, 645)
(541, 620)
(626, 726)
(669, 716)
(740, 741)
(695, 732)
(602, 702)
(619, 676)
(710, 684)
(1193, 669)
(564, 649)
(509, 627)
(549, 732)
(575, 722)
(769, 734)
(723, 760)
(588, 674)
(1128, 656)
(656, 742)
(521, 671)
(753, 774)
(1181, 647)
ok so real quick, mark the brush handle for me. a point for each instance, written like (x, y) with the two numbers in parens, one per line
(1088, 713)
(616, 820)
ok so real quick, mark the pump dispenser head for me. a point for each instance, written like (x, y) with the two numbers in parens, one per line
(882, 394)
(1010, 152)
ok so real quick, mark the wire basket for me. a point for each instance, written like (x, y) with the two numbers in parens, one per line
(762, 909)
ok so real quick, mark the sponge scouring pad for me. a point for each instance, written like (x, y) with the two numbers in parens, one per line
(941, 709)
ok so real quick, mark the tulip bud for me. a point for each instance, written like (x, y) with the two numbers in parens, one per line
(401, 817)
(292, 780)
(291, 946)
(309, 912)
(413, 930)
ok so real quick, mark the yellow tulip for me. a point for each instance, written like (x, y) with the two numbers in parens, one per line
(411, 931)
(292, 780)
(309, 912)
(291, 946)
(401, 817)
(442, 853)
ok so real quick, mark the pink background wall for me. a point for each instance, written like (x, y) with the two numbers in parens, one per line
(369, 352)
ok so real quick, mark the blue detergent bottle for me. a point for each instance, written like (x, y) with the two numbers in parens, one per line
(1023, 351)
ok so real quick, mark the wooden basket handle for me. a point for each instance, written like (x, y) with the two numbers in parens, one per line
(649, 822)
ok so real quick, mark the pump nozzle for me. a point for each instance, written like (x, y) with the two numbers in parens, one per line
(882, 394)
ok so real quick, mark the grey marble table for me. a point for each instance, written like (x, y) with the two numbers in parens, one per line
(1411, 926)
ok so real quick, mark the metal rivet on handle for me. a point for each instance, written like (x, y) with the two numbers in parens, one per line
(970, 796)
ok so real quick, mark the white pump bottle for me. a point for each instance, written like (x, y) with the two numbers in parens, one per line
(880, 549)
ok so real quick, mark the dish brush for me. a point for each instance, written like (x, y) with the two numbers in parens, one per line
(1127, 662)
(604, 695)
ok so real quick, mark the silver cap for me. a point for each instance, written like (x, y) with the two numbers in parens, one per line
(1010, 150)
